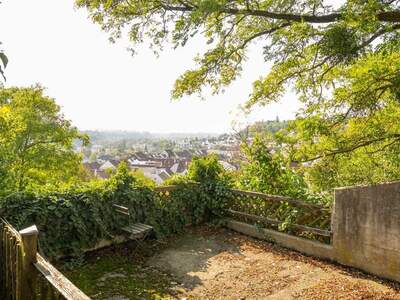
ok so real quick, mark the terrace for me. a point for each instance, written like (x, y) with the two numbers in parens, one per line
(218, 261)
(209, 262)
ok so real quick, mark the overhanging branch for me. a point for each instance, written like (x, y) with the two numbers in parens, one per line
(389, 16)
(394, 139)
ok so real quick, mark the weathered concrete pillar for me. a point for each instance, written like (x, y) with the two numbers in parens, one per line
(366, 228)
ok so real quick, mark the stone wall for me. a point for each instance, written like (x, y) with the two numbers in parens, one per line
(366, 228)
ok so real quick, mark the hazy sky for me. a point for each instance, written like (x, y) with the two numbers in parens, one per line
(101, 86)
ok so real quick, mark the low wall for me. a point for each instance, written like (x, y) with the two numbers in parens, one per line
(366, 228)
(309, 247)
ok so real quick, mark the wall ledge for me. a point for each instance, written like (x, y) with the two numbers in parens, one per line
(302, 245)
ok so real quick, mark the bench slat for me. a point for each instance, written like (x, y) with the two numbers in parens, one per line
(137, 229)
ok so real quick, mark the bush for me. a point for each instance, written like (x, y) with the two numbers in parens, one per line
(267, 172)
(77, 218)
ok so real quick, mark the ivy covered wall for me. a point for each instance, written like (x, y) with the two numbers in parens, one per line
(77, 218)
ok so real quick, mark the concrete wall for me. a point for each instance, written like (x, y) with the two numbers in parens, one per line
(366, 228)
(366, 231)
(309, 247)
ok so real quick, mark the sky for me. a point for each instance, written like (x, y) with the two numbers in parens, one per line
(99, 85)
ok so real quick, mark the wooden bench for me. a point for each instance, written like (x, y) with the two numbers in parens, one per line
(137, 231)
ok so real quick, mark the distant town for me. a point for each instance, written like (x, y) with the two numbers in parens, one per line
(160, 156)
(157, 158)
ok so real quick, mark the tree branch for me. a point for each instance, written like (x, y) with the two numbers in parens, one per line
(395, 137)
(389, 16)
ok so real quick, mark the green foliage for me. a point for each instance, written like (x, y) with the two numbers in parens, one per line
(359, 122)
(362, 166)
(205, 189)
(343, 62)
(36, 141)
(138, 280)
(77, 217)
(267, 172)
(267, 127)
(206, 169)
(339, 43)
(142, 179)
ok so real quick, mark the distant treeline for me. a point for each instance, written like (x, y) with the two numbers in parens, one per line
(270, 126)
(107, 137)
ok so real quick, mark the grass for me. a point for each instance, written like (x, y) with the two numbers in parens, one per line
(114, 273)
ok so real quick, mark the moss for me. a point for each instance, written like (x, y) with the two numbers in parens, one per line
(118, 275)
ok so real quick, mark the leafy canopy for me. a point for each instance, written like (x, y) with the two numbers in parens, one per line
(343, 62)
(36, 141)
(265, 170)
(207, 168)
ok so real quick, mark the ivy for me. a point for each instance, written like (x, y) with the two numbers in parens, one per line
(77, 218)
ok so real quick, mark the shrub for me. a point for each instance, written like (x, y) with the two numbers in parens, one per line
(77, 218)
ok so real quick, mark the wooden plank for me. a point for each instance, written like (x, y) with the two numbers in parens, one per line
(137, 228)
(44, 290)
(142, 226)
(58, 281)
(14, 251)
(314, 230)
(121, 209)
(292, 201)
(122, 212)
(252, 217)
(8, 261)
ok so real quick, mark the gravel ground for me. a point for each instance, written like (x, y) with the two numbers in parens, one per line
(220, 264)
(215, 263)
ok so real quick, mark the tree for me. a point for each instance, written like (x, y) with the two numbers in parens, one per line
(207, 168)
(343, 62)
(366, 165)
(36, 141)
(265, 170)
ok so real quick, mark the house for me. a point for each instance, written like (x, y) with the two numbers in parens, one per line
(94, 169)
(108, 165)
(168, 154)
(141, 156)
(185, 143)
(105, 157)
(179, 167)
(92, 166)
(201, 152)
(227, 166)
(135, 162)
(164, 175)
(158, 175)
(184, 154)
(102, 174)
